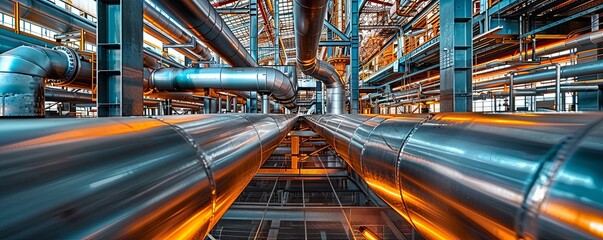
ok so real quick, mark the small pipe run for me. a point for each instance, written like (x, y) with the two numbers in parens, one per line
(308, 26)
(204, 22)
(479, 176)
(568, 71)
(168, 177)
(261, 79)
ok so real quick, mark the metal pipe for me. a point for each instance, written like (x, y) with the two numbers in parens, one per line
(479, 176)
(577, 70)
(204, 22)
(308, 26)
(265, 103)
(557, 87)
(511, 92)
(165, 25)
(575, 42)
(23, 72)
(240, 79)
(89, 178)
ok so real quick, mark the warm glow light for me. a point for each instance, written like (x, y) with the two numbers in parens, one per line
(368, 234)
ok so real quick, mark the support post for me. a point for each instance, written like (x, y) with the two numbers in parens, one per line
(456, 56)
(354, 58)
(265, 103)
(253, 48)
(119, 58)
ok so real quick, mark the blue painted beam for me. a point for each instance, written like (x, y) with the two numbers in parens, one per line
(334, 43)
(336, 31)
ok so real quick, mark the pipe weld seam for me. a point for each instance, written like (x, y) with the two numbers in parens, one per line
(399, 164)
(548, 168)
(202, 160)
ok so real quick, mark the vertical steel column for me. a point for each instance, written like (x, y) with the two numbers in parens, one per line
(235, 101)
(120, 70)
(558, 100)
(206, 105)
(265, 103)
(294, 152)
(511, 92)
(277, 42)
(219, 103)
(228, 104)
(253, 49)
(213, 106)
(354, 57)
(318, 97)
(456, 56)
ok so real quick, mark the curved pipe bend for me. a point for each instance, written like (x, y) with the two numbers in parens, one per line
(226, 79)
(308, 26)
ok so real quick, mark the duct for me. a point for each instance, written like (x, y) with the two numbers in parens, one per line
(308, 26)
(203, 21)
(91, 178)
(479, 176)
(165, 25)
(23, 72)
(225, 79)
(568, 71)
(60, 95)
(46, 14)
(575, 42)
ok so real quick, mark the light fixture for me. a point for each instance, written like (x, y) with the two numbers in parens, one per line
(368, 234)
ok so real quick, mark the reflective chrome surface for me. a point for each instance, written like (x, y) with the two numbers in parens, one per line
(128, 178)
(480, 176)
(204, 22)
(238, 79)
(307, 36)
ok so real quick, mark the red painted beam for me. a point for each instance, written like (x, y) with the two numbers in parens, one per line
(222, 3)
(382, 2)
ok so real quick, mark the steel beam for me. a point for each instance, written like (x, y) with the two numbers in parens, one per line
(354, 58)
(456, 55)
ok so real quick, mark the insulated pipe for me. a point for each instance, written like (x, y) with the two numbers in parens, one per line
(265, 103)
(23, 72)
(308, 26)
(575, 42)
(203, 21)
(240, 79)
(479, 176)
(568, 71)
(165, 25)
(168, 177)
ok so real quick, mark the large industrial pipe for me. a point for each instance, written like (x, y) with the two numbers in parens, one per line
(23, 72)
(568, 71)
(128, 178)
(204, 22)
(240, 79)
(165, 25)
(480, 176)
(308, 27)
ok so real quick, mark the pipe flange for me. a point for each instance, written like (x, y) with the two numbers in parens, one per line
(73, 66)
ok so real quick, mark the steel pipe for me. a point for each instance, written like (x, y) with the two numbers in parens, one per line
(204, 22)
(479, 176)
(129, 178)
(568, 71)
(154, 17)
(23, 72)
(308, 26)
(238, 79)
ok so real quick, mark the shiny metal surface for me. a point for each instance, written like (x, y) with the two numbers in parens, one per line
(307, 36)
(480, 176)
(238, 79)
(24, 71)
(568, 71)
(204, 22)
(42, 10)
(154, 17)
(128, 178)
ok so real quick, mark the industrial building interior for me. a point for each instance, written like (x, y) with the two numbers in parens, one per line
(301, 119)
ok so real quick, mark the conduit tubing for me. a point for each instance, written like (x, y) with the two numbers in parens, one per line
(129, 178)
(165, 25)
(568, 71)
(575, 42)
(259, 79)
(308, 26)
(479, 176)
(204, 22)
